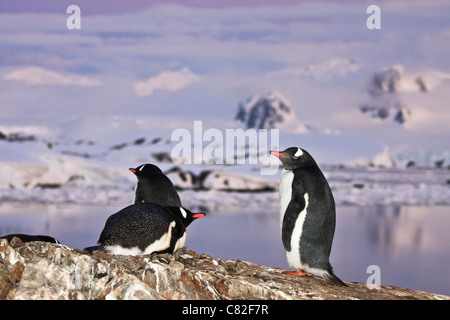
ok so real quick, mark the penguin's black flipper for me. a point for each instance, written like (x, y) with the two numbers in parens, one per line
(290, 217)
(332, 278)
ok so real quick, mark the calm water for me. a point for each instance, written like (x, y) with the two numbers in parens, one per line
(411, 245)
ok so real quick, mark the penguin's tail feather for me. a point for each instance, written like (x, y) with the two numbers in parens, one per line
(330, 277)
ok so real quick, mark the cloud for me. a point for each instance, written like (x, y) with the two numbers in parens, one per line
(167, 80)
(33, 76)
(323, 71)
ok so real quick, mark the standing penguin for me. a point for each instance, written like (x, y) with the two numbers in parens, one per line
(307, 215)
(154, 186)
(144, 228)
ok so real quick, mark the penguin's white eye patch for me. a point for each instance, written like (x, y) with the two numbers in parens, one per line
(142, 167)
(298, 154)
(183, 212)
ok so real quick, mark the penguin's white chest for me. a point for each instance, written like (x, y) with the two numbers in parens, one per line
(287, 177)
(293, 256)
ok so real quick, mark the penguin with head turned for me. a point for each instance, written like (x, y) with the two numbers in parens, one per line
(307, 215)
(145, 228)
(154, 186)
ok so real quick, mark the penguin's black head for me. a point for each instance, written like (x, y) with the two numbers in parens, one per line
(146, 170)
(185, 215)
(293, 158)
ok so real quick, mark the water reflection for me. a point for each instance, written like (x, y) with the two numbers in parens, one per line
(411, 245)
(391, 229)
(381, 222)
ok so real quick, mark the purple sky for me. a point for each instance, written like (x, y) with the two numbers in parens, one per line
(121, 6)
(201, 63)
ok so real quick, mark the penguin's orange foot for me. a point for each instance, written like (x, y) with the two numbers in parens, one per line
(299, 273)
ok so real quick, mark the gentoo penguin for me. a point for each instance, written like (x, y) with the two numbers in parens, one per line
(144, 228)
(154, 186)
(29, 238)
(307, 215)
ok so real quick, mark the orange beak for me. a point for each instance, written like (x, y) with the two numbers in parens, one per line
(277, 154)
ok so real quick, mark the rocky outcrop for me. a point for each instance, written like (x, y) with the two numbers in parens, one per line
(41, 270)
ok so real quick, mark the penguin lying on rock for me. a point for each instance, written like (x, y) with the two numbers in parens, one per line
(154, 186)
(145, 228)
(307, 215)
(29, 238)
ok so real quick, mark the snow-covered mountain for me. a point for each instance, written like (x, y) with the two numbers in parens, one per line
(39, 165)
(268, 111)
(85, 160)
(383, 89)
(389, 88)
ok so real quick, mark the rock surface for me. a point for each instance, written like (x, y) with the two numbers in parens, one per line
(41, 270)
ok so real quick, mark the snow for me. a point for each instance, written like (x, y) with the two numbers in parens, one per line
(267, 111)
(96, 172)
